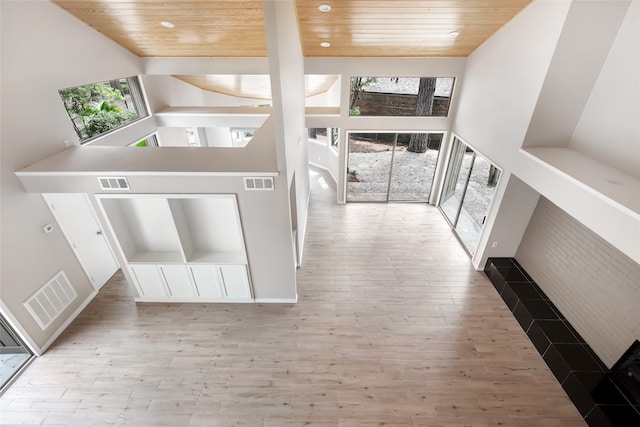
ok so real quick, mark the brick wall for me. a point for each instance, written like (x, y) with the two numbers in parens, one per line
(595, 286)
(392, 104)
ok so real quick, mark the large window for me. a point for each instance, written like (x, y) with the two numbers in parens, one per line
(387, 167)
(98, 108)
(469, 186)
(400, 96)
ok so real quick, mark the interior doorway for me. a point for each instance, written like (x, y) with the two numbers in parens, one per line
(78, 221)
(391, 167)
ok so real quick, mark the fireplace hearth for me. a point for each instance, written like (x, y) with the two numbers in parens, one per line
(604, 397)
(626, 374)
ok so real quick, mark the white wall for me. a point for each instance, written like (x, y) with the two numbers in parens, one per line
(503, 79)
(222, 100)
(288, 90)
(167, 91)
(172, 137)
(43, 49)
(330, 98)
(218, 137)
(595, 286)
(501, 84)
(510, 97)
(583, 45)
(512, 217)
(517, 77)
(609, 127)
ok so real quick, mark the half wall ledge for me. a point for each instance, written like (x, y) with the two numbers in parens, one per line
(602, 198)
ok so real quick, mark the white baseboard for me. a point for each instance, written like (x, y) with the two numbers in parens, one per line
(195, 300)
(277, 300)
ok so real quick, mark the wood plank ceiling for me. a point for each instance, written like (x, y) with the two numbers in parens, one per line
(201, 28)
(401, 28)
(353, 28)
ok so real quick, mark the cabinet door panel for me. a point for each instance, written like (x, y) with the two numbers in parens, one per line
(235, 281)
(149, 281)
(207, 280)
(177, 280)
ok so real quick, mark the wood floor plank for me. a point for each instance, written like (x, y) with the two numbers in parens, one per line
(393, 327)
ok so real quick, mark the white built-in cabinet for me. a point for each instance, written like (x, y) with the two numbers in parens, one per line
(181, 247)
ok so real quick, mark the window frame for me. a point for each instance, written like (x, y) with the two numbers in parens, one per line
(356, 89)
(135, 92)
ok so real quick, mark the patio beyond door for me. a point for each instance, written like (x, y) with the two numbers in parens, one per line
(396, 167)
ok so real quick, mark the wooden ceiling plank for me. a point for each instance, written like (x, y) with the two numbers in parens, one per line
(235, 28)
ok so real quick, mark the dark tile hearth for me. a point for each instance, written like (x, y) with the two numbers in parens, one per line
(605, 398)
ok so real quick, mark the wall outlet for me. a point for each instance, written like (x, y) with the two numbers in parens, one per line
(48, 228)
(494, 245)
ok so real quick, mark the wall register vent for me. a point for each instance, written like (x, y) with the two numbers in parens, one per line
(258, 183)
(114, 183)
(51, 300)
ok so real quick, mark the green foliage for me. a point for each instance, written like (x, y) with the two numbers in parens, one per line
(92, 109)
(355, 111)
(102, 106)
(78, 100)
(105, 120)
(353, 172)
(142, 143)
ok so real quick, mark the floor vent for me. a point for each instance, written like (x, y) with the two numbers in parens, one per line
(258, 183)
(51, 300)
(114, 183)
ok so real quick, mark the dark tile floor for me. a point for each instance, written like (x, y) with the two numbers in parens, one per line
(601, 397)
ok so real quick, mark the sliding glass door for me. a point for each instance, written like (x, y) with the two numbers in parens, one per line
(13, 354)
(469, 187)
(369, 167)
(385, 167)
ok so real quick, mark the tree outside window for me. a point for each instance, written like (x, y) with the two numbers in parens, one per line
(97, 108)
(335, 137)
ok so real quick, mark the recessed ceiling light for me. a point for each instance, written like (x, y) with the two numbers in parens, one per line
(324, 8)
(325, 44)
(453, 34)
(167, 24)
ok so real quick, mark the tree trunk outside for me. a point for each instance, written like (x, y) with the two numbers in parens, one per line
(356, 87)
(493, 176)
(424, 107)
(418, 143)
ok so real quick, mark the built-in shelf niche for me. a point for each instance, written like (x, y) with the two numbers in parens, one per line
(144, 228)
(177, 229)
(209, 229)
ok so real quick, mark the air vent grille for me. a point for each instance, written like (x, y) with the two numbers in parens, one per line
(258, 183)
(51, 300)
(114, 183)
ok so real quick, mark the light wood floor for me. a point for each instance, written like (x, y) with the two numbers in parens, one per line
(393, 327)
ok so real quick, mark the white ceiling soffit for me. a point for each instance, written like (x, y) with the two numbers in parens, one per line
(253, 86)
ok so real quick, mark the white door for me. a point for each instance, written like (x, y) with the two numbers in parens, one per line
(78, 222)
